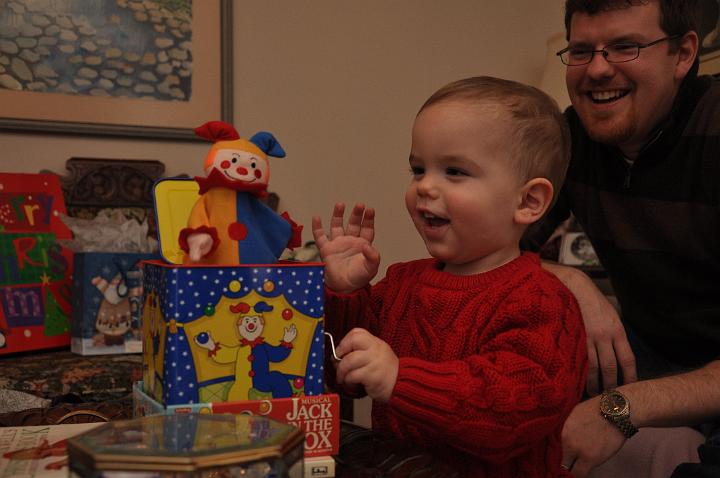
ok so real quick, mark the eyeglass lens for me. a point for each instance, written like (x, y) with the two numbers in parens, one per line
(613, 53)
(617, 53)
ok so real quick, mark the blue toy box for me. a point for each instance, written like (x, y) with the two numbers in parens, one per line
(232, 333)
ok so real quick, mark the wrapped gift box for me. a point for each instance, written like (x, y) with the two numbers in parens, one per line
(232, 333)
(35, 270)
(318, 416)
(107, 302)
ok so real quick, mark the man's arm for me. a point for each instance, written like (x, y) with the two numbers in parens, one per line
(684, 399)
(678, 400)
(607, 344)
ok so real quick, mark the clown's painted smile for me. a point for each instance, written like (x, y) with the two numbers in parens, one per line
(238, 165)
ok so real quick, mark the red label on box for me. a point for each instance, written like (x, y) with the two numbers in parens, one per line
(318, 416)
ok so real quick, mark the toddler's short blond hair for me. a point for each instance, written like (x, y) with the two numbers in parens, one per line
(539, 135)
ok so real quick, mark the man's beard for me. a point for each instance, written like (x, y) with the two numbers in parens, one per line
(610, 132)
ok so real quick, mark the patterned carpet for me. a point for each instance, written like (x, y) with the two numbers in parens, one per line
(99, 386)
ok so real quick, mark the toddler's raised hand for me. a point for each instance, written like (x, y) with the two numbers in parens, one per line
(350, 260)
(367, 361)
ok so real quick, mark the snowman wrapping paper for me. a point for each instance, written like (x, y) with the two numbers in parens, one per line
(107, 302)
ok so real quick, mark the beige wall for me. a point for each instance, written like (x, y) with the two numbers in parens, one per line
(338, 83)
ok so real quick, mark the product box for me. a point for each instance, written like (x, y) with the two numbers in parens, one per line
(107, 302)
(35, 270)
(318, 416)
(319, 467)
(232, 333)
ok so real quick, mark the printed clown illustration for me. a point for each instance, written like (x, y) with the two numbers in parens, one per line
(229, 224)
(223, 334)
(253, 348)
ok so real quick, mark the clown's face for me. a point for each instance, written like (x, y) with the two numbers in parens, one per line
(238, 165)
(251, 327)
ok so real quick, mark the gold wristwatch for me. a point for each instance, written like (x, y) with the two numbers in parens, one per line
(615, 408)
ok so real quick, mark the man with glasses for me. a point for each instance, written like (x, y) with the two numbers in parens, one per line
(644, 182)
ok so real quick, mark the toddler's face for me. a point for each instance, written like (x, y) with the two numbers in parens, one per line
(464, 190)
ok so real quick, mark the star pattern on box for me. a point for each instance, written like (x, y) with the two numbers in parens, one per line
(194, 299)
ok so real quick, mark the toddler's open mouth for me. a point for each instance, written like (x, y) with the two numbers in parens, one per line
(435, 221)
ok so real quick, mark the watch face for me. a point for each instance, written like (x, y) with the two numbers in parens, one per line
(613, 403)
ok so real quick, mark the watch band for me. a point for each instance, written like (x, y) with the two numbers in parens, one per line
(625, 426)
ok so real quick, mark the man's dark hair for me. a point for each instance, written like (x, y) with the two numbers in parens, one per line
(677, 17)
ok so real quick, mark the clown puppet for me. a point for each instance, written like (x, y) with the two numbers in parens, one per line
(229, 224)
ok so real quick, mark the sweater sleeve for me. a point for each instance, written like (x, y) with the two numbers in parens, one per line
(514, 392)
(360, 308)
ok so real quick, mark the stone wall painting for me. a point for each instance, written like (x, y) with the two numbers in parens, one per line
(149, 68)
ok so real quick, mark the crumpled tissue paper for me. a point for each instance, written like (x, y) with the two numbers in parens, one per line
(109, 231)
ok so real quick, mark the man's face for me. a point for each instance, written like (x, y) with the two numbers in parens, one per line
(621, 103)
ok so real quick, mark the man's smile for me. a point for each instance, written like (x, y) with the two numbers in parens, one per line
(607, 96)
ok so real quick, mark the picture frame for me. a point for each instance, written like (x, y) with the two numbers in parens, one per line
(576, 250)
(708, 15)
(209, 96)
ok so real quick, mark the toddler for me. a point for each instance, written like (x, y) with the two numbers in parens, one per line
(477, 353)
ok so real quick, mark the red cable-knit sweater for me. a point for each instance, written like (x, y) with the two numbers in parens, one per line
(490, 364)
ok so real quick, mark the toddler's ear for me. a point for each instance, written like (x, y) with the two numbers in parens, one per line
(536, 197)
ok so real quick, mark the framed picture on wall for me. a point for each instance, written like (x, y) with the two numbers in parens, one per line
(708, 17)
(115, 67)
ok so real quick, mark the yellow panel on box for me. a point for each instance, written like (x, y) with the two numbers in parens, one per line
(232, 333)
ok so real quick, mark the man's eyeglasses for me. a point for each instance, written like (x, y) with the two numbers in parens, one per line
(615, 53)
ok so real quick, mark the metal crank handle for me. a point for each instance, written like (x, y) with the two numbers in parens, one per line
(332, 346)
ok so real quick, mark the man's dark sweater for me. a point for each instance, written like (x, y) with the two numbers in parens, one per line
(655, 223)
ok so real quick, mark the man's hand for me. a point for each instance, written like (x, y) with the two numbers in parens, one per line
(350, 260)
(608, 347)
(199, 244)
(588, 439)
(367, 361)
(607, 344)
